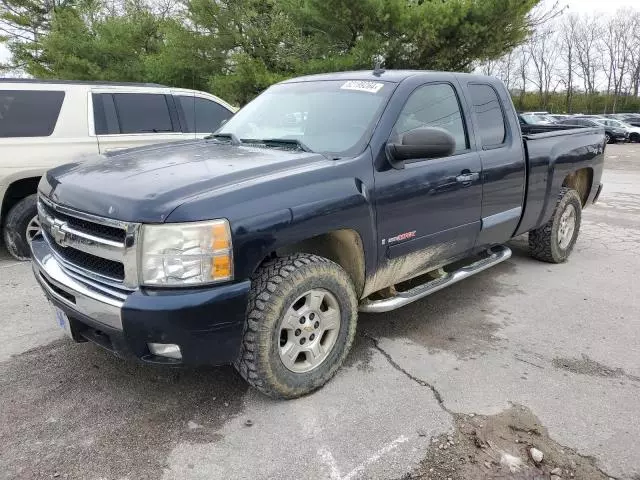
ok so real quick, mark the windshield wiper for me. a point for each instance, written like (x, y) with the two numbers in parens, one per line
(279, 142)
(227, 136)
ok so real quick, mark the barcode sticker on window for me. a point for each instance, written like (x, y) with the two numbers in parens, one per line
(362, 86)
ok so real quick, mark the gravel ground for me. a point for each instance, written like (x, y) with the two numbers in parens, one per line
(525, 355)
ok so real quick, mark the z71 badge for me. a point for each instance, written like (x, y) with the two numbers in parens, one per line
(401, 237)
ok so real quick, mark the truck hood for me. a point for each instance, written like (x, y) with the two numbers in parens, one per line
(146, 184)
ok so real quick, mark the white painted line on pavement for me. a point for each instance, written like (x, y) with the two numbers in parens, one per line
(327, 458)
(11, 265)
(329, 461)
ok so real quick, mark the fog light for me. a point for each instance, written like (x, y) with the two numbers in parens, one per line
(170, 350)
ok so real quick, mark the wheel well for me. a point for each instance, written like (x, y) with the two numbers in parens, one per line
(343, 247)
(581, 181)
(17, 191)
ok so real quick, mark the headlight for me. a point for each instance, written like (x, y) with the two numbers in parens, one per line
(186, 253)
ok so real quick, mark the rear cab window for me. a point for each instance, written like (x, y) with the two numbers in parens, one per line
(29, 113)
(489, 115)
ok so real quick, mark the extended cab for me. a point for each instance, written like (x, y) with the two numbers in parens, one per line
(45, 123)
(325, 196)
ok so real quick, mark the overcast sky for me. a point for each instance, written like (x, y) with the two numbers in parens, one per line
(578, 6)
(599, 6)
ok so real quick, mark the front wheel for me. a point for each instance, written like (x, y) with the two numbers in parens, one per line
(22, 226)
(300, 325)
(634, 137)
(608, 139)
(554, 241)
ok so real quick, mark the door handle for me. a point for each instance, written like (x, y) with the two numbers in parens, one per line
(467, 177)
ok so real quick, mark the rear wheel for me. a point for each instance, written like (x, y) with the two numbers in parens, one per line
(300, 325)
(21, 227)
(554, 241)
(607, 138)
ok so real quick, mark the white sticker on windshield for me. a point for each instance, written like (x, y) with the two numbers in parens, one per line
(362, 86)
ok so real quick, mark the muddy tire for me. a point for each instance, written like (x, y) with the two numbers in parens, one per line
(301, 322)
(554, 241)
(20, 226)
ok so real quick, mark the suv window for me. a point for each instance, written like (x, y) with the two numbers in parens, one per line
(143, 113)
(202, 115)
(433, 105)
(29, 113)
(488, 111)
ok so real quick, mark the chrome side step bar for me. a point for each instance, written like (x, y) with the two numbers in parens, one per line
(496, 255)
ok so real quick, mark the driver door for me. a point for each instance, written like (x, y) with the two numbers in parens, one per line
(429, 212)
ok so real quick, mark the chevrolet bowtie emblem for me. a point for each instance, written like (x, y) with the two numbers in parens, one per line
(58, 234)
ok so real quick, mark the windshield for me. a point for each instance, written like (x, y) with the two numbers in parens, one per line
(335, 117)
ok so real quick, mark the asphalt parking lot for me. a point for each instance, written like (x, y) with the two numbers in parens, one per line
(455, 386)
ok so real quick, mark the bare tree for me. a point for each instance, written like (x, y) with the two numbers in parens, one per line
(587, 38)
(568, 33)
(523, 60)
(634, 55)
(543, 50)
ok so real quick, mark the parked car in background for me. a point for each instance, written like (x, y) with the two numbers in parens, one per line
(322, 197)
(46, 123)
(634, 132)
(534, 119)
(556, 117)
(612, 134)
(631, 119)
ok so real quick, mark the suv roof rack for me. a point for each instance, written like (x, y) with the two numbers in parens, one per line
(79, 82)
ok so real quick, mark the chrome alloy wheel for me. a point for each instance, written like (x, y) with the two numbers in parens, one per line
(567, 226)
(309, 330)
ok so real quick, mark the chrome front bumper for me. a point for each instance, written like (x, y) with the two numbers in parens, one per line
(88, 298)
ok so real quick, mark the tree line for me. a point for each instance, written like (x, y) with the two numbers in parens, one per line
(576, 64)
(236, 48)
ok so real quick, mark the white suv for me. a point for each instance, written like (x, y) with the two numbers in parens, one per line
(47, 123)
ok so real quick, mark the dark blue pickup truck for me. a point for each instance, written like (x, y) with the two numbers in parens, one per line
(325, 196)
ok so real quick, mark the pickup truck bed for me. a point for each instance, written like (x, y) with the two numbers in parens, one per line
(553, 153)
(325, 195)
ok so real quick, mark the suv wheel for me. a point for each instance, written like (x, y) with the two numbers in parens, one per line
(300, 325)
(554, 241)
(21, 226)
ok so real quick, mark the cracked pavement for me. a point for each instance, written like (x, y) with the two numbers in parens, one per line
(561, 340)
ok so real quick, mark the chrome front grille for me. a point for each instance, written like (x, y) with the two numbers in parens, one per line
(108, 232)
(98, 248)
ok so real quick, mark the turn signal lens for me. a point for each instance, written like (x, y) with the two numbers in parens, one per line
(221, 267)
(220, 237)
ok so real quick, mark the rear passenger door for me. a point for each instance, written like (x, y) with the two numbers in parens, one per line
(503, 161)
(125, 119)
(200, 115)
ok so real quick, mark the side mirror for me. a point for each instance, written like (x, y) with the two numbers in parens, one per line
(421, 143)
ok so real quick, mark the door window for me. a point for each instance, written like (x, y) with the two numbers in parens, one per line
(142, 113)
(488, 112)
(29, 113)
(202, 115)
(433, 105)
